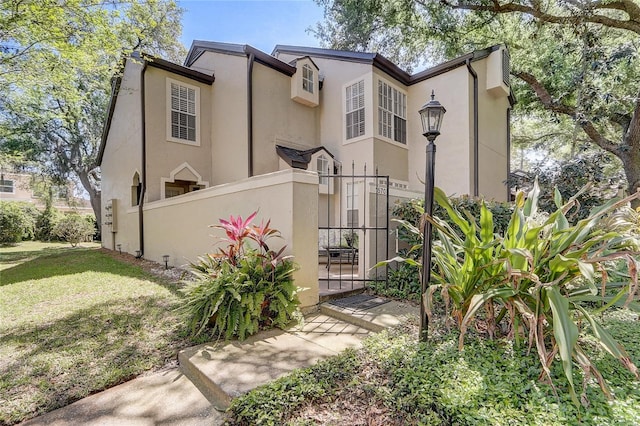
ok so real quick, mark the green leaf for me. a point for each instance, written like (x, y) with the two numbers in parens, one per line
(565, 332)
(486, 224)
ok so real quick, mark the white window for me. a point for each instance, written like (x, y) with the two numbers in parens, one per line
(392, 113)
(183, 112)
(352, 205)
(322, 165)
(355, 110)
(6, 185)
(307, 78)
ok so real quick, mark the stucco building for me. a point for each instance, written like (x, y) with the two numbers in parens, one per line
(235, 130)
(24, 187)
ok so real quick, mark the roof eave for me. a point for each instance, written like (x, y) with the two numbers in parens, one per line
(199, 47)
(115, 89)
(180, 70)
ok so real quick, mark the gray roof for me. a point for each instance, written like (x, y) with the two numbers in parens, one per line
(383, 63)
(198, 47)
(296, 158)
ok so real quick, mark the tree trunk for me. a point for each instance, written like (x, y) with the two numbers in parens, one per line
(94, 196)
(631, 164)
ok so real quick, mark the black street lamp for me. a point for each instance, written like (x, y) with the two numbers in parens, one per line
(431, 115)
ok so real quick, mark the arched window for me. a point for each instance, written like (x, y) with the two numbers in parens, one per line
(136, 190)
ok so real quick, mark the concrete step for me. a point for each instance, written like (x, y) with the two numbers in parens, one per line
(369, 312)
(224, 370)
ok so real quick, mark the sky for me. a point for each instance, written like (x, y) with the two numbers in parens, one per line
(260, 23)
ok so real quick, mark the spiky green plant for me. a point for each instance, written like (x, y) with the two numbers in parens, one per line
(539, 281)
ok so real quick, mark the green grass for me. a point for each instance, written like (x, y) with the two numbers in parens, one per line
(74, 321)
(393, 380)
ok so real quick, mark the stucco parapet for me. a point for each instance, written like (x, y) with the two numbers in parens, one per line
(256, 182)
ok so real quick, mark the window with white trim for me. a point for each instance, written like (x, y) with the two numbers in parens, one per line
(322, 164)
(307, 78)
(183, 112)
(355, 110)
(392, 113)
(6, 186)
(352, 205)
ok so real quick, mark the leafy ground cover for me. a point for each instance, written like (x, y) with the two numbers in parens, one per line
(393, 380)
(74, 321)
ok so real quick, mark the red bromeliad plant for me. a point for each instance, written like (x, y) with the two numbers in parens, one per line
(242, 288)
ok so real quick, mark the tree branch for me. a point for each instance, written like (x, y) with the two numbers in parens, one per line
(552, 105)
(632, 10)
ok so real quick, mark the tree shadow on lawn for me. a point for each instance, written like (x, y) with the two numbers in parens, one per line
(16, 256)
(85, 352)
(60, 262)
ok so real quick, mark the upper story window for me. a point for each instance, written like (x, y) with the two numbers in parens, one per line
(392, 113)
(307, 78)
(355, 110)
(6, 185)
(183, 112)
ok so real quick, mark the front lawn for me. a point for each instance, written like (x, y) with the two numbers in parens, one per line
(74, 321)
(393, 380)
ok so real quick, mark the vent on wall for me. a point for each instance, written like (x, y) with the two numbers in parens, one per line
(506, 68)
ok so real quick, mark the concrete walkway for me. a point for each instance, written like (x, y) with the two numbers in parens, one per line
(211, 375)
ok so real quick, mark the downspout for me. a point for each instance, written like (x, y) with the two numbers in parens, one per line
(476, 174)
(143, 186)
(252, 58)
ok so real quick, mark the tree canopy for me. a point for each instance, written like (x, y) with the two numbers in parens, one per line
(576, 62)
(57, 59)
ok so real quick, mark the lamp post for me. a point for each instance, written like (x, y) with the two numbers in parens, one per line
(165, 259)
(431, 115)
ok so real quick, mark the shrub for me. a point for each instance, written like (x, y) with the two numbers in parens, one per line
(412, 210)
(594, 171)
(536, 283)
(46, 223)
(403, 282)
(16, 222)
(242, 289)
(73, 228)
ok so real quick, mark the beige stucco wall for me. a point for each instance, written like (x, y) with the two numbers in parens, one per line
(228, 115)
(179, 226)
(21, 188)
(163, 155)
(331, 110)
(122, 159)
(277, 119)
(453, 146)
(492, 113)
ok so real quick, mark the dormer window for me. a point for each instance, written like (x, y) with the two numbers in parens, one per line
(307, 78)
(304, 88)
(322, 165)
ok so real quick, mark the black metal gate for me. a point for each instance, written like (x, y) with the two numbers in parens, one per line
(353, 231)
